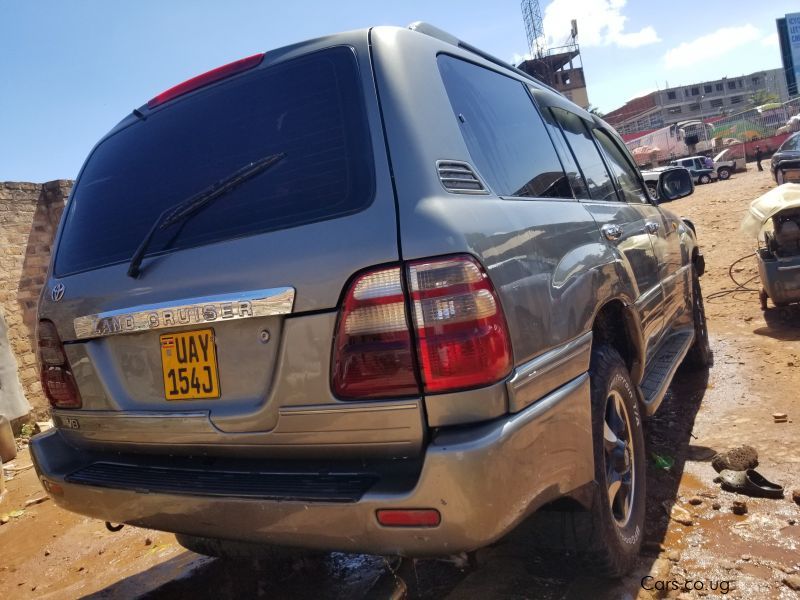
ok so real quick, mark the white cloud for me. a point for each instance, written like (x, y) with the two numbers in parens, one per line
(600, 23)
(770, 40)
(646, 36)
(518, 58)
(710, 46)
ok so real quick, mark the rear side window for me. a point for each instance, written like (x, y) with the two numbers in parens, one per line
(311, 109)
(627, 177)
(588, 156)
(503, 131)
(567, 160)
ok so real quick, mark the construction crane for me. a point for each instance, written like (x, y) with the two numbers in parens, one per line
(534, 28)
(560, 67)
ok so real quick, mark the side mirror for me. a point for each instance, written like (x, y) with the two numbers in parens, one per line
(675, 183)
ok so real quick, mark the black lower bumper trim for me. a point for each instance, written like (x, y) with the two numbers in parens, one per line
(316, 487)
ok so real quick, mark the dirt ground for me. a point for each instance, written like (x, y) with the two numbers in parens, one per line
(48, 553)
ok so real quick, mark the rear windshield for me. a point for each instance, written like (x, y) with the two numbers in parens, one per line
(310, 109)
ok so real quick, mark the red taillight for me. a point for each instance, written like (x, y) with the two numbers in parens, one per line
(207, 78)
(461, 332)
(462, 338)
(415, 517)
(57, 381)
(373, 356)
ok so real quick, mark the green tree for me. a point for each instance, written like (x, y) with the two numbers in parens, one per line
(761, 97)
(596, 111)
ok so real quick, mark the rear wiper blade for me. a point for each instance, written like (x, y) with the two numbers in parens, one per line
(198, 202)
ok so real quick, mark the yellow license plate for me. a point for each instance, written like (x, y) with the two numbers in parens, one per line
(189, 362)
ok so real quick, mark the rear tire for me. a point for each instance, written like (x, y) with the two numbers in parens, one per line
(724, 173)
(653, 189)
(779, 177)
(705, 179)
(700, 355)
(618, 504)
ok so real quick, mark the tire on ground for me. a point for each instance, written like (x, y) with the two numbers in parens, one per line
(700, 355)
(612, 546)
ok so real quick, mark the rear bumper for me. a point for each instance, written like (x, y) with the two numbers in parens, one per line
(483, 480)
(790, 169)
(780, 279)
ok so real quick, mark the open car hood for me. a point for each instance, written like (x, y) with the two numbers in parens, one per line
(762, 209)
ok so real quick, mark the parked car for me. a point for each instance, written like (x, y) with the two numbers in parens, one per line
(364, 308)
(653, 176)
(792, 125)
(785, 163)
(725, 164)
(697, 167)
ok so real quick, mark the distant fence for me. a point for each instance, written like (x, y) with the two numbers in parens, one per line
(765, 126)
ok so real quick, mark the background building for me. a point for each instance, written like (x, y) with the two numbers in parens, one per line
(704, 100)
(562, 70)
(789, 37)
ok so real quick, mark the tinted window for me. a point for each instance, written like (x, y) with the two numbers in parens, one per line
(791, 143)
(503, 131)
(311, 109)
(627, 178)
(570, 166)
(587, 155)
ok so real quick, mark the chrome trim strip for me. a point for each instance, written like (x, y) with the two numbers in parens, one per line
(367, 428)
(188, 311)
(543, 374)
(137, 427)
(649, 295)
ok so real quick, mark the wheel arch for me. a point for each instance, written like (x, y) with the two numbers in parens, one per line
(626, 338)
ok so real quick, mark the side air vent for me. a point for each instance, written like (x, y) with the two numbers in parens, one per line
(458, 178)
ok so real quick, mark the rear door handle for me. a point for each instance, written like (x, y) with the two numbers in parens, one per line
(611, 232)
(652, 227)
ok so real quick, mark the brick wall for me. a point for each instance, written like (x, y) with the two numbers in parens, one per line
(29, 215)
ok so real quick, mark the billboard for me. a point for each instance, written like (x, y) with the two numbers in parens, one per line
(793, 34)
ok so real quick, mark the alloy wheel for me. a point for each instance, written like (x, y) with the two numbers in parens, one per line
(619, 459)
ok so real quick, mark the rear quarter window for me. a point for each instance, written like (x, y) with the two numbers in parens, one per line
(504, 133)
(310, 108)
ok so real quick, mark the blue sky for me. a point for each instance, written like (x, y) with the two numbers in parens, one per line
(70, 70)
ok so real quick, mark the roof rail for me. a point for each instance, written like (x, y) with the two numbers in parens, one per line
(435, 32)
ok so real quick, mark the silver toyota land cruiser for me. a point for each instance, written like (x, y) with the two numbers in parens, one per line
(375, 292)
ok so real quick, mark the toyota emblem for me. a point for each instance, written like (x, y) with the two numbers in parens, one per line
(57, 293)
